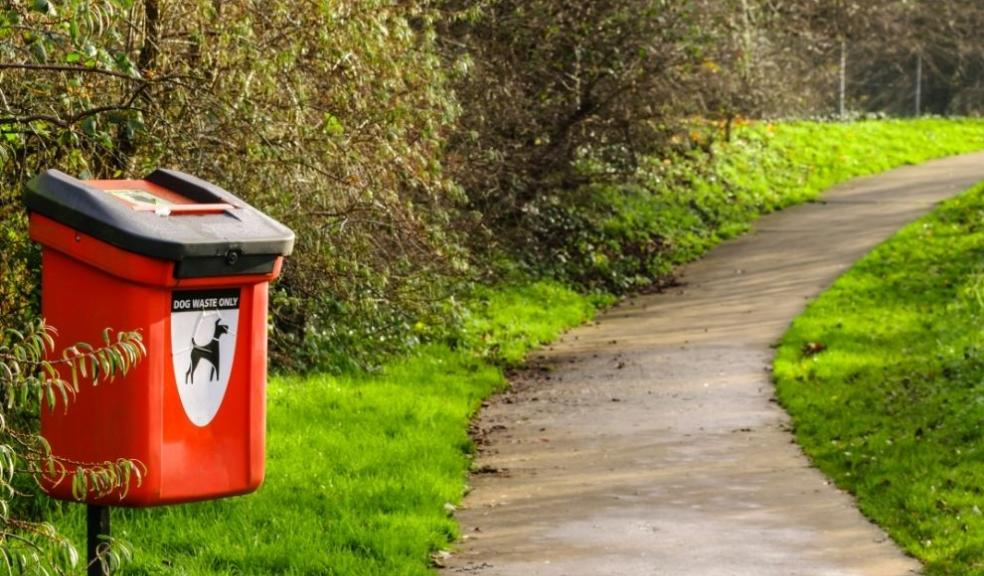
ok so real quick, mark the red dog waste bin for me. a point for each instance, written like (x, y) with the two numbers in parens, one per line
(188, 264)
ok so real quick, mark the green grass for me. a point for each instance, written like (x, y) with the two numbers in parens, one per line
(680, 207)
(360, 467)
(893, 407)
(770, 166)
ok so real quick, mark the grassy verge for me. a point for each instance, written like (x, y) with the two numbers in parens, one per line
(361, 466)
(892, 408)
(678, 208)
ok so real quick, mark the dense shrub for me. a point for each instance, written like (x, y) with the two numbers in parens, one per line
(557, 88)
(328, 115)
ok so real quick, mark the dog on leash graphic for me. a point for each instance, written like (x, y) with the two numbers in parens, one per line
(209, 352)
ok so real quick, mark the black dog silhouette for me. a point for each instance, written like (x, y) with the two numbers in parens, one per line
(209, 352)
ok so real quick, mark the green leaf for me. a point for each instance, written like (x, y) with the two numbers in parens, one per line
(73, 29)
(90, 126)
(39, 52)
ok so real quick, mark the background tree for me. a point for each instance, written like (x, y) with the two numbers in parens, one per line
(561, 96)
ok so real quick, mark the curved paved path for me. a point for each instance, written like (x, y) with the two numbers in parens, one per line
(653, 446)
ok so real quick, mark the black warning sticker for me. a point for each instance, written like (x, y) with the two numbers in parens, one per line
(204, 300)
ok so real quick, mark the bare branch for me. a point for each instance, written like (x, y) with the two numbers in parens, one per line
(69, 68)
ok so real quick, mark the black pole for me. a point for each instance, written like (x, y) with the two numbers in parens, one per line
(97, 524)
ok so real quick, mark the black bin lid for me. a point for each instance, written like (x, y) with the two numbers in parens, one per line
(205, 229)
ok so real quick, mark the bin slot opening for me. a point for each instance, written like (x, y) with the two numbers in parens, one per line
(134, 197)
(179, 209)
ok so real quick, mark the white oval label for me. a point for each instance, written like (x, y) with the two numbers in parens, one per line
(203, 347)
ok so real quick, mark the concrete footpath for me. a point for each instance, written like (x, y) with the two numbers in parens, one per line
(649, 443)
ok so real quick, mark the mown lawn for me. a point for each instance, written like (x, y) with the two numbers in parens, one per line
(361, 468)
(892, 405)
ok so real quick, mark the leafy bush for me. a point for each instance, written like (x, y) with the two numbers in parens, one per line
(554, 85)
(329, 116)
(30, 379)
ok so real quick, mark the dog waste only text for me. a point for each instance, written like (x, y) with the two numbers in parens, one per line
(205, 300)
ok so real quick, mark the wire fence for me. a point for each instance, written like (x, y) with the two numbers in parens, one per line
(901, 85)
